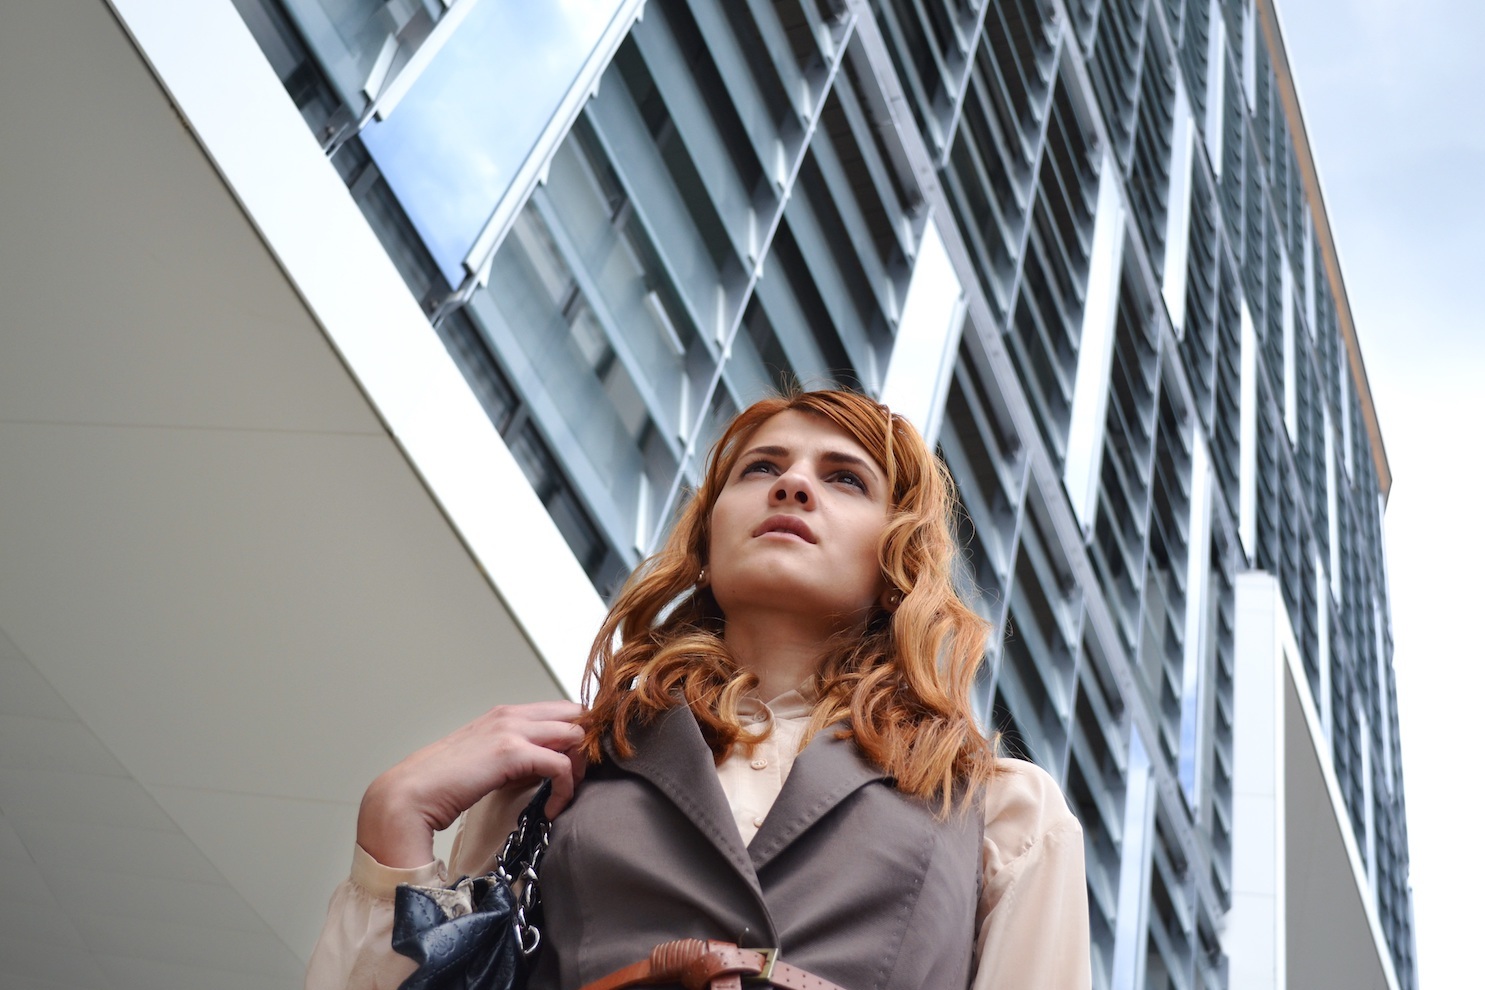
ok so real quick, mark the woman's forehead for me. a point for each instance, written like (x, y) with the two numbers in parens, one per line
(793, 428)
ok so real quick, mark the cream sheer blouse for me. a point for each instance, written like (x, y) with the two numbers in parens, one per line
(1032, 920)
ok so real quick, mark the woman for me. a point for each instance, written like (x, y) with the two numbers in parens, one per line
(779, 749)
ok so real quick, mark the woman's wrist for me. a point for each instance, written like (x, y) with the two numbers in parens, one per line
(391, 829)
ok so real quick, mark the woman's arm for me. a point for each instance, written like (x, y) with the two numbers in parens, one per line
(486, 768)
(1033, 918)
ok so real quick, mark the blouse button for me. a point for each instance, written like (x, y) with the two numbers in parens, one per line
(757, 823)
(761, 717)
(758, 764)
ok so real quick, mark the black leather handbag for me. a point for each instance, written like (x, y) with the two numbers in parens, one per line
(481, 933)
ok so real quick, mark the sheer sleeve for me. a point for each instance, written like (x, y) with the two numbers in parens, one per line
(1032, 925)
(355, 945)
(354, 950)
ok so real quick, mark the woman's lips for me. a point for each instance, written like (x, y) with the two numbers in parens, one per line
(787, 525)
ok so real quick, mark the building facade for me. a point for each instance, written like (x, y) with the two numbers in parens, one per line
(1081, 243)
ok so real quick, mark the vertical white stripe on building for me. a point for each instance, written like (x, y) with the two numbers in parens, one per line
(1291, 405)
(917, 376)
(1310, 293)
(643, 511)
(1198, 574)
(1178, 216)
(1254, 934)
(1368, 816)
(1130, 916)
(1385, 689)
(1378, 628)
(1344, 372)
(1216, 85)
(1250, 52)
(1084, 451)
(1332, 519)
(1322, 624)
(1248, 436)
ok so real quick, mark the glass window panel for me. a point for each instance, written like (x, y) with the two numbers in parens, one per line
(618, 269)
(570, 368)
(456, 140)
(362, 42)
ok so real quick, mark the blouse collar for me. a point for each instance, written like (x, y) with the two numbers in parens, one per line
(795, 703)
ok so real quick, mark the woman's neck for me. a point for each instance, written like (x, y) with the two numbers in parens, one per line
(781, 650)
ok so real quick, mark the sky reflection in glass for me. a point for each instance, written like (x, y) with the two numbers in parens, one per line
(452, 146)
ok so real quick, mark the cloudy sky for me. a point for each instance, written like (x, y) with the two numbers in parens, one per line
(1393, 93)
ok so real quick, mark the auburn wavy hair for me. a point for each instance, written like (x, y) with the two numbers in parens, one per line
(900, 688)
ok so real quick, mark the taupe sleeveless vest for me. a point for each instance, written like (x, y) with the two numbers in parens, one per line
(850, 879)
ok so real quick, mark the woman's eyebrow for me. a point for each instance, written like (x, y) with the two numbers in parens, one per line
(835, 457)
(850, 460)
(769, 451)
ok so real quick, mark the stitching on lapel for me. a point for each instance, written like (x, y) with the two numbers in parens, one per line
(834, 763)
(665, 752)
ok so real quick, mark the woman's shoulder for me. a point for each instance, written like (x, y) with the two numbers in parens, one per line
(1022, 804)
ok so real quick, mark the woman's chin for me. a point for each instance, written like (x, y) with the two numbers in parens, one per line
(783, 603)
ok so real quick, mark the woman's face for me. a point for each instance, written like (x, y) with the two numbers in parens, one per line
(799, 521)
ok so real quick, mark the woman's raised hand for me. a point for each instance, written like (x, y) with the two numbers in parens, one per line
(508, 745)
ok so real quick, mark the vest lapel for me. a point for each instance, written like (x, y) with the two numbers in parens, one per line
(671, 754)
(828, 771)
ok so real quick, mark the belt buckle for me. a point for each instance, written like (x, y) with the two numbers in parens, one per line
(764, 975)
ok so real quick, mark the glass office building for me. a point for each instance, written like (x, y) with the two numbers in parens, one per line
(1081, 243)
(1078, 241)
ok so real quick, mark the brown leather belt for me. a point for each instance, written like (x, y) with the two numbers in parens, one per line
(711, 965)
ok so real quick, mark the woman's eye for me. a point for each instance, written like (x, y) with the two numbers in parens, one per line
(758, 467)
(851, 478)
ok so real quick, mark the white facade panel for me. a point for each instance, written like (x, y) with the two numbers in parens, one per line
(1291, 399)
(1255, 934)
(927, 337)
(1216, 84)
(1178, 212)
(1096, 353)
(1194, 676)
(1248, 436)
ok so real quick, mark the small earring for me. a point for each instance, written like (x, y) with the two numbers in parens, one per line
(701, 578)
(894, 599)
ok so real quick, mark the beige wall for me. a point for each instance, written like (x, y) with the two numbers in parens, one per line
(238, 575)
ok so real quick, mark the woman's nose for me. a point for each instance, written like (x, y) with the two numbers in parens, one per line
(793, 486)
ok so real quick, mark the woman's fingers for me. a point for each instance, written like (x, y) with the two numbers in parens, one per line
(429, 789)
(507, 743)
(560, 736)
(558, 711)
(550, 724)
(564, 785)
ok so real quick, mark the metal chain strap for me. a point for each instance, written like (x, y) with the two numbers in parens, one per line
(523, 852)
